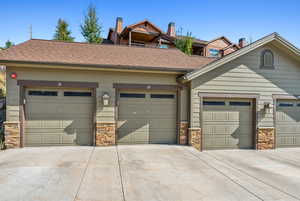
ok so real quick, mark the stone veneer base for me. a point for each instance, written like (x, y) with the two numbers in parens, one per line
(105, 133)
(183, 133)
(12, 134)
(195, 138)
(265, 138)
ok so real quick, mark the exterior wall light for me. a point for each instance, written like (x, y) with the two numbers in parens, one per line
(268, 107)
(105, 99)
(13, 76)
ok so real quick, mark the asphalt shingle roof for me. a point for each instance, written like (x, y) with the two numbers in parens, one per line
(57, 52)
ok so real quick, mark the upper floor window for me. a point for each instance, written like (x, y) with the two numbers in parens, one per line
(164, 46)
(267, 59)
(137, 43)
(213, 52)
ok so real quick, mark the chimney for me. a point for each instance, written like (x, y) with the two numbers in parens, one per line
(242, 42)
(119, 25)
(171, 29)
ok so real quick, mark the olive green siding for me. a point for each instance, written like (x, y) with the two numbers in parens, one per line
(243, 75)
(106, 79)
(184, 104)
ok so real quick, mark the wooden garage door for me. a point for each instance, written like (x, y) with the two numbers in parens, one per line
(227, 123)
(58, 117)
(147, 118)
(288, 123)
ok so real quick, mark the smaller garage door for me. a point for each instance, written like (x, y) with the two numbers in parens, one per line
(58, 117)
(227, 123)
(288, 123)
(147, 117)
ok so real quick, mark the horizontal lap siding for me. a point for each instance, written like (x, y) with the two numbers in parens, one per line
(244, 75)
(12, 99)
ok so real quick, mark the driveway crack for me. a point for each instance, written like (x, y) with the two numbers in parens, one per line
(257, 179)
(232, 180)
(120, 172)
(84, 173)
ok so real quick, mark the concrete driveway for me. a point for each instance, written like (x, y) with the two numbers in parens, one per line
(148, 173)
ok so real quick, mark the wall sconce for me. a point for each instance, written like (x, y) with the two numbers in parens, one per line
(268, 107)
(105, 99)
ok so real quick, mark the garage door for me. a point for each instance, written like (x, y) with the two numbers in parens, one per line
(288, 123)
(58, 117)
(147, 118)
(227, 124)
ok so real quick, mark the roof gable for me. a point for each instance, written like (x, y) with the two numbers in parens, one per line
(143, 26)
(263, 41)
(223, 38)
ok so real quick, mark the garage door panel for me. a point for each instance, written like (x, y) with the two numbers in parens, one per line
(132, 136)
(146, 120)
(133, 130)
(136, 111)
(58, 120)
(288, 123)
(227, 123)
(30, 130)
(288, 129)
(71, 139)
(289, 140)
(52, 139)
(33, 139)
(226, 116)
(228, 129)
(287, 116)
(43, 124)
(225, 141)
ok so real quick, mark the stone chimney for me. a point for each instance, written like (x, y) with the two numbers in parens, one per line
(119, 25)
(171, 29)
(242, 42)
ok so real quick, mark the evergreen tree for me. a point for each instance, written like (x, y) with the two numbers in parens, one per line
(62, 32)
(8, 44)
(91, 29)
(185, 44)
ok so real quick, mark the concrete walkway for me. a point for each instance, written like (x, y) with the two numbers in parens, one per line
(148, 173)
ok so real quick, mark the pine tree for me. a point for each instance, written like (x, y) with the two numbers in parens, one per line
(8, 44)
(62, 32)
(91, 29)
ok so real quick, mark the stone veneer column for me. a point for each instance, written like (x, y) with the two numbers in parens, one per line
(265, 138)
(105, 133)
(12, 134)
(183, 132)
(195, 138)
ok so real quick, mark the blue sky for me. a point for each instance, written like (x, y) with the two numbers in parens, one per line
(206, 19)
